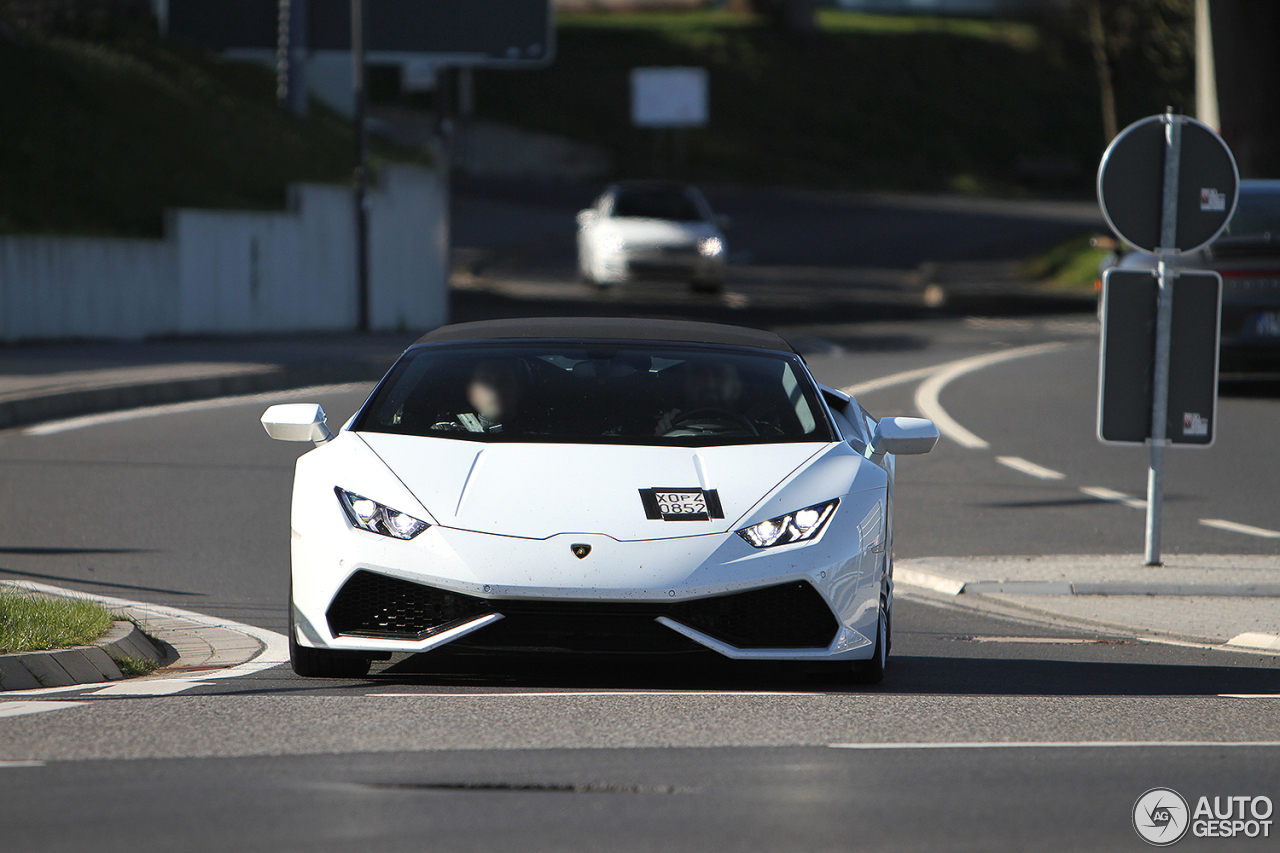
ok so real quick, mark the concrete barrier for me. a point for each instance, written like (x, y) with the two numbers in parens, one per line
(233, 272)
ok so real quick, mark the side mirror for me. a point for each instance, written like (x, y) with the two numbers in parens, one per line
(297, 422)
(723, 222)
(902, 436)
(585, 216)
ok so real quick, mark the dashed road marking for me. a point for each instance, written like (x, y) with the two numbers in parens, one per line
(148, 687)
(1017, 463)
(1083, 744)
(18, 709)
(1112, 496)
(4, 764)
(1236, 527)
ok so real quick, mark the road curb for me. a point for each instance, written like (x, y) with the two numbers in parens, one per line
(952, 586)
(251, 379)
(79, 664)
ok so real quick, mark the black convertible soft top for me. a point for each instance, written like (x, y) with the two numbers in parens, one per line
(608, 328)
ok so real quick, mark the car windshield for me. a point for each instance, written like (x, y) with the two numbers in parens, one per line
(1257, 213)
(671, 203)
(598, 393)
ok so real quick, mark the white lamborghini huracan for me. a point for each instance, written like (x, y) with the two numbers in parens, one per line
(596, 485)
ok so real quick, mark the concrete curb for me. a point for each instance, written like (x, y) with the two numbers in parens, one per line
(180, 644)
(250, 379)
(80, 664)
(952, 586)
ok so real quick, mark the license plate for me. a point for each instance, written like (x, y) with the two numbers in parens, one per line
(1267, 324)
(680, 504)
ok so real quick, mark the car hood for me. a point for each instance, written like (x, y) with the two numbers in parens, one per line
(638, 233)
(540, 490)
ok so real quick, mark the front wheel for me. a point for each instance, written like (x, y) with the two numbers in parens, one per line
(323, 663)
(872, 671)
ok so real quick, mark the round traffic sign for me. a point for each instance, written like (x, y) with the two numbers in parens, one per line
(1131, 184)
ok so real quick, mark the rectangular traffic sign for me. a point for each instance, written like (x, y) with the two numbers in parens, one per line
(1126, 373)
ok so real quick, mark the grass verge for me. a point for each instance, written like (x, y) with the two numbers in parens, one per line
(1070, 265)
(31, 623)
(100, 136)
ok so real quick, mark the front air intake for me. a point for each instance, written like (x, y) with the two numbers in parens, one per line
(373, 605)
(787, 616)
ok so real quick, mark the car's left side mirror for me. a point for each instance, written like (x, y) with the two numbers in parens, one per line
(585, 216)
(297, 422)
(903, 436)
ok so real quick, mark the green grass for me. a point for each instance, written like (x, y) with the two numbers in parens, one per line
(1071, 265)
(869, 101)
(132, 667)
(30, 623)
(101, 136)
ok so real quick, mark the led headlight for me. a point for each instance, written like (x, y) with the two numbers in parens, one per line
(709, 247)
(798, 526)
(376, 518)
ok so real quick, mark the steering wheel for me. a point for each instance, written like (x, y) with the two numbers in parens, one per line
(713, 413)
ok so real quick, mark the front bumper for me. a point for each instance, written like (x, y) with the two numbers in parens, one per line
(814, 601)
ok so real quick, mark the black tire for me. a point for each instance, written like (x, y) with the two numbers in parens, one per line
(872, 671)
(323, 663)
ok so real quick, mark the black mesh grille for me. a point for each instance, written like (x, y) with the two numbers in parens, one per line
(788, 616)
(373, 605)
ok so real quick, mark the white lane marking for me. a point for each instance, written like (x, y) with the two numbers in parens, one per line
(4, 764)
(1083, 744)
(17, 709)
(927, 580)
(146, 687)
(893, 379)
(1249, 695)
(1112, 496)
(927, 394)
(1255, 640)
(1017, 463)
(82, 421)
(275, 647)
(1236, 527)
(575, 694)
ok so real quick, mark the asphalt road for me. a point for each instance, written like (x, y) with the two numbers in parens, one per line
(191, 510)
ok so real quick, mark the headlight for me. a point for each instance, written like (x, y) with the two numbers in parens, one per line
(709, 247)
(798, 526)
(376, 518)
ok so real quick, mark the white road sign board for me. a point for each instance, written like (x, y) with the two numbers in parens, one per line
(668, 97)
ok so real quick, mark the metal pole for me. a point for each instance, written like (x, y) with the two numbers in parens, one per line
(1164, 323)
(362, 171)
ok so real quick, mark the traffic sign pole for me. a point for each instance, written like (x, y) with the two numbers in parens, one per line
(1164, 324)
(362, 166)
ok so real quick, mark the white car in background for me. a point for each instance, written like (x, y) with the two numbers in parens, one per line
(652, 230)
(598, 486)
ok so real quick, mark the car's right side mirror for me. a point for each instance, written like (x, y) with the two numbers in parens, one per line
(903, 436)
(297, 422)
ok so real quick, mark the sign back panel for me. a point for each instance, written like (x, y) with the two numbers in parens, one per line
(1126, 374)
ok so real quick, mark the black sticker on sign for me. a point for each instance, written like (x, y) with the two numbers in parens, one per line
(680, 504)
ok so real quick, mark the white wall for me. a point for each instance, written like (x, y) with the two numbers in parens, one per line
(230, 272)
